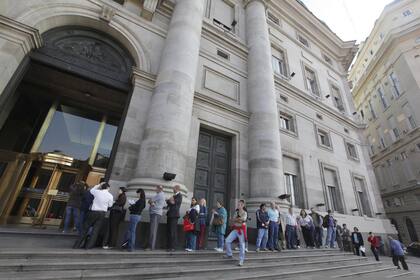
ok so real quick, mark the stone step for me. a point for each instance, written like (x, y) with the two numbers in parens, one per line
(385, 272)
(20, 265)
(115, 254)
(228, 272)
(27, 264)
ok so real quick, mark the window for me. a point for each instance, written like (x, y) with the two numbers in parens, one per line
(407, 13)
(327, 59)
(311, 81)
(389, 162)
(372, 112)
(323, 138)
(279, 62)
(395, 131)
(223, 54)
(381, 137)
(351, 151)
(411, 122)
(273, 18)
(303, 40)
(371, 148)
(332, 188)
(224, 14)
(287, 122)
(382, 97)
(338, 101)
(395, 85)
(404, 155)
(291, 170)
(362, 196)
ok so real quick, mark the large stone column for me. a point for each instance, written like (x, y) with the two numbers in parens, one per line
(265, 156)
(165, 142)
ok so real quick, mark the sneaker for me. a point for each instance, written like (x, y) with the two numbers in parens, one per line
(188, 250)
(266, 249)
(220, 250)
(241, 263)
(236, 249)
(246, 250)
(257, 250)
(105, 247)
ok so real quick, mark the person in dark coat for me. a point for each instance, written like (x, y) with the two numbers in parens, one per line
(116, 215)
(73, 206)
(135, 216)
(357, 239)
(174, 203)
(85, 205)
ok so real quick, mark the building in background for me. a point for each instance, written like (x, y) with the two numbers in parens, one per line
(386, 86)
(240, 99)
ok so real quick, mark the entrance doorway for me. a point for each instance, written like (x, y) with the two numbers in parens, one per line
(62, 124)
(212, 173)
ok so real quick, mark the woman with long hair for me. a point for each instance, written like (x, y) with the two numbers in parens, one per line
(202, 220)
(116, 215)
(135, 217)
(307, 225)
(192, 215)
(219, 225)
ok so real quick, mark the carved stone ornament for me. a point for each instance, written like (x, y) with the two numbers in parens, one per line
(89, 51)
(107, 13)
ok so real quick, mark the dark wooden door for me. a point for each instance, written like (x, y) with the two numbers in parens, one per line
(212, 173)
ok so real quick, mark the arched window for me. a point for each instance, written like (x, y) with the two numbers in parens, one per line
(411, 230)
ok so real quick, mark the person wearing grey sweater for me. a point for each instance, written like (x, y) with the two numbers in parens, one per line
(157, 202)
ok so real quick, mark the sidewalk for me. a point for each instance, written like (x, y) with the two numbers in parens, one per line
(412, 262)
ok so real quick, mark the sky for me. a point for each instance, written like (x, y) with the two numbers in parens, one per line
(349, 19)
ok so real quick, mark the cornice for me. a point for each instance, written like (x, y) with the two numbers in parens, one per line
(25, 35)
(315, 103)
(389, 40)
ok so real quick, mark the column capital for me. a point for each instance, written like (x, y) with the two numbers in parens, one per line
(149, 8)
(264, 2)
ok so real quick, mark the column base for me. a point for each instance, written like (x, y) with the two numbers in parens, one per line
(255, 202)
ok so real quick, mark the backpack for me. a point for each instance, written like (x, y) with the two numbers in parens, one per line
(325, 221)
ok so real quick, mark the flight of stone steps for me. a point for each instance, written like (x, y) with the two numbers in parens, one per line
(113, 264)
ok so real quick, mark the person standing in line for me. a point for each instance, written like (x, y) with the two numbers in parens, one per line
(156, 204)
(73, 206)
(262, 226)
(192, 215)
(116, 215)
(357, 240)
(86, 204)
(135, 217)
(202, 220)
(291, 229)
(219, 223)
(238, 232)
(346, 237)
(102, 200)
(281, 240)
(273, 227)
(174, 204)
(307, 227)
(318, 231)
(374, 245)
(339, 233)
(328, 223)
(397, 253)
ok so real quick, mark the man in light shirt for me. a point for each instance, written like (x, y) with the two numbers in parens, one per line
(102, 200)
(156, 203)
(291, 229)
(273, 227)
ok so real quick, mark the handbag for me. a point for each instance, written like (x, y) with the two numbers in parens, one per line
(188, 226)
(362, 249)
(218, 221)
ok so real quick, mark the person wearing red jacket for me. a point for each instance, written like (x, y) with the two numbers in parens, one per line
(374, 245)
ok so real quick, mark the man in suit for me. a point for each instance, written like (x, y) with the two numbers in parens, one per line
(357, 240)
(174, 203)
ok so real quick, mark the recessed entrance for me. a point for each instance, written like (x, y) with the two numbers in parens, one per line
(61, 124)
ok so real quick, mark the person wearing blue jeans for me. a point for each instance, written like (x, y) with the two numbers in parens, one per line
(193, 213)
(291, 233)
(135, 217)
(238, 232)
(262, 226)
(331, 230)
(220, 228)
(273, 227)
(73, 206)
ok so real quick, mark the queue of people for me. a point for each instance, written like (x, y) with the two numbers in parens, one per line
(90, 207)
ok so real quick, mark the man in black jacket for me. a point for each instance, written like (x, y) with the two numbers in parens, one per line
(174, 203)
(357, 240)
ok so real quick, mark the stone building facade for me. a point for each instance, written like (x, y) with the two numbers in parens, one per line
(385, 78)
(240, 99)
